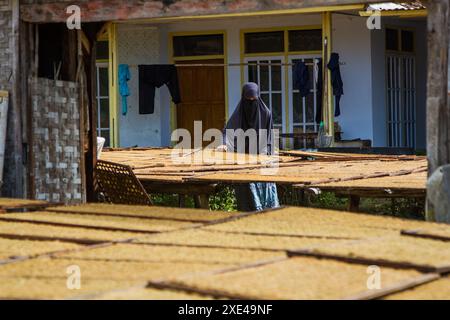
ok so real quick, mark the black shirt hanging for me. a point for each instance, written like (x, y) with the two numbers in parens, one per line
(152, 77)
(301, 79)
(336, 81)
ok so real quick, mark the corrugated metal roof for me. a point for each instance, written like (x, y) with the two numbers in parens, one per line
(394, 6)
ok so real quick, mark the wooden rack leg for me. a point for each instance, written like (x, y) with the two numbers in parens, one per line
(354, 202)
(182, 200)
(202, 201)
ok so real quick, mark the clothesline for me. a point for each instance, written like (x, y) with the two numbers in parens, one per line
(234, 64)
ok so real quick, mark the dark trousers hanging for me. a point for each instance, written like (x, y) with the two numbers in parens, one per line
(319, 94)
(152, 77)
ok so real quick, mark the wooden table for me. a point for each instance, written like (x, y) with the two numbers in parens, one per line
(168, 171)
(199, 173)
(9, 205)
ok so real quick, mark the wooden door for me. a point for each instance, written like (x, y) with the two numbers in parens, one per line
(202, 95)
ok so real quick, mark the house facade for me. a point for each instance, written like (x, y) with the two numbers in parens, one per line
(384, 88)
(64, 90)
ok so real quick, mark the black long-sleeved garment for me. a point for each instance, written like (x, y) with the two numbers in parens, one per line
(301, 79)
(319, 94)
(336, 80)
(152, 77)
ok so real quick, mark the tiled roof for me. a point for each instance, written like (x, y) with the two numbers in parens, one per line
(393, 6)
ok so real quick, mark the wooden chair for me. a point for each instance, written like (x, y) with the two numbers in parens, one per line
(118, 184)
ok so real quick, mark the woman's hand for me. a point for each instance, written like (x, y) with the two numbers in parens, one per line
(222, 148)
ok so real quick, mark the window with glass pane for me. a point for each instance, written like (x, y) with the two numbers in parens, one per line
(103, 82)
(268, 75)
(102, 50)
(407, 41)
(305, 40)
(305, 109)
(392, 40)
(103, 124)
(264, 42)
(199, 45)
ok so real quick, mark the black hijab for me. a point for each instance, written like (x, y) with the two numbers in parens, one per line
(252, 114)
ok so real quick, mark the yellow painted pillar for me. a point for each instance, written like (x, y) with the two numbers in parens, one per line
(328, 103)
(113, 86)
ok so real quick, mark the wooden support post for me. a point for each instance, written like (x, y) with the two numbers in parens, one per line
(113, 86)
(13, 166)
(353, 203)
(438, 112)
(182, 200)
(91, 155)
(25, 69)
(328, 104)
(202, 201)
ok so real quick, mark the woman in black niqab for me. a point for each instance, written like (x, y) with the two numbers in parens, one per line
(252, 113)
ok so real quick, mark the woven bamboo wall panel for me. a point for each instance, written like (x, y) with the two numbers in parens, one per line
(56, 155)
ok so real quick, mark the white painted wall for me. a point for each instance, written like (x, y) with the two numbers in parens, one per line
(138, 44)
(351, 39)
(379, 88)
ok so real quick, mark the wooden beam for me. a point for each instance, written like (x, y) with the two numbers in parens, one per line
(328, 104)
(91, 155)
(438, 111)
(117, 10)
(353, 203)
(13, 166)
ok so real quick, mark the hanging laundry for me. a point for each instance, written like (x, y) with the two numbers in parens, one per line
(301, 79)
(336, 81)
(124, 90)
(152, 77)
(319, 89)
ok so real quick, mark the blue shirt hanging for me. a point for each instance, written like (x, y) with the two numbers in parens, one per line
(124, 90)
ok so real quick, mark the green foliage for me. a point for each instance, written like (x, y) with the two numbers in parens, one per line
(167, 200)
(224, 200)
(402, 208)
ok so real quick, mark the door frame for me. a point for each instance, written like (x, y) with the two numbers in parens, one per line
(224, 57)
(399, 54)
